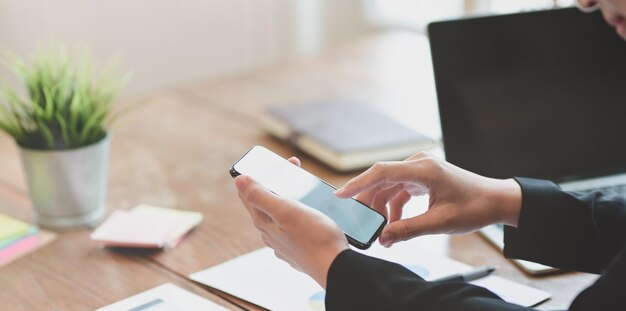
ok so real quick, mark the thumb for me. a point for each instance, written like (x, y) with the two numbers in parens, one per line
(409, 228)
(295, 161)
(254, 195)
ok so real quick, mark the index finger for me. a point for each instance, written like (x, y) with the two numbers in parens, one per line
(382, 172)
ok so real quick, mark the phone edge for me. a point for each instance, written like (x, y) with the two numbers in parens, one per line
(363, 246)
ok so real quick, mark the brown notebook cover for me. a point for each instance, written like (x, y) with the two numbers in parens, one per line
(344, 134)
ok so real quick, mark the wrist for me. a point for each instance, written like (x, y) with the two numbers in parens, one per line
(509, 201)
(325, 261)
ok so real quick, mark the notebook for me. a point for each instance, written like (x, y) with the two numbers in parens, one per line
(344, 134)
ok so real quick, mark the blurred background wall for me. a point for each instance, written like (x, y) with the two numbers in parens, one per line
(169, 43)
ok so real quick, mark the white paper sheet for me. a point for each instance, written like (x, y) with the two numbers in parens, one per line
(259, 277)
(167, 297)
(407, 254)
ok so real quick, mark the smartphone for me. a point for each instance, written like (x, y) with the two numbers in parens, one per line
(361, 224)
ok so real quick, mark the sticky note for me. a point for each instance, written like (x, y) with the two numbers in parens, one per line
(24, 245)
(128, 229)
(11, 228)
(5, 243)
(187, 220)
(18, 249)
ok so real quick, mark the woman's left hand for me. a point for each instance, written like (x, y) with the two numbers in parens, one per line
(300, 235)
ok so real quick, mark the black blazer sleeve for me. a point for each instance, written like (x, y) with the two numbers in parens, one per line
(359, 282)
(574, 231)
(567, 230)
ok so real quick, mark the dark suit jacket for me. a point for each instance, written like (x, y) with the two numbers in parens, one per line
(574, 231)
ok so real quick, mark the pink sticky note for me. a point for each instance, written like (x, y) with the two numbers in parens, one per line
(126, 229)
(18, 248)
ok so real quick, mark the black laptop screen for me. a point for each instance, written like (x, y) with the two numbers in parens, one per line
(539, 94)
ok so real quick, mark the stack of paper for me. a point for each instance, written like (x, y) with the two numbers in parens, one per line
(18, 238)
(146, 227)
(260, 278)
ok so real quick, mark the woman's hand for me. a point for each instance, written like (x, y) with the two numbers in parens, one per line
(300, 235)
(460, 201)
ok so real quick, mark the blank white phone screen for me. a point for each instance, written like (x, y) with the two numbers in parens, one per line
(287, 180)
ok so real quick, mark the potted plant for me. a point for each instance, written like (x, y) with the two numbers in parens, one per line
(60, 124)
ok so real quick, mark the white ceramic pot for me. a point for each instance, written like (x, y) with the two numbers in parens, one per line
(67, 187)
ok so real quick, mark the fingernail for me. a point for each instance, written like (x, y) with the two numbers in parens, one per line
(386, 239)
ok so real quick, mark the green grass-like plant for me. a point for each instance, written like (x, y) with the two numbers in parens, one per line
(65, 103)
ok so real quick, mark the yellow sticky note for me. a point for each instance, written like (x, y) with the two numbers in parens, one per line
(11, 228)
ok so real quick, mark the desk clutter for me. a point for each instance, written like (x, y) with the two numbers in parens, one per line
(18, 238)
(146, 226)
(262, 279)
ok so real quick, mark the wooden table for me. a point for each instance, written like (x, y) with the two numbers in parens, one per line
(176, 150)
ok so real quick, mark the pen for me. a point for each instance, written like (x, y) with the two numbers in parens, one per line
(468, 276)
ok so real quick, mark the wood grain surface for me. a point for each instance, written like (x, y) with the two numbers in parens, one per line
(175, 151)
(72, 273)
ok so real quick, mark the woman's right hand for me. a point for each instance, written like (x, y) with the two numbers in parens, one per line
(460, 201)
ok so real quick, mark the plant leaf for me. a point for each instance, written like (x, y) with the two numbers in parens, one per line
(69, 104)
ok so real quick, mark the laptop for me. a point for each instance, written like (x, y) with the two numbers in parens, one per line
(538, 94)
